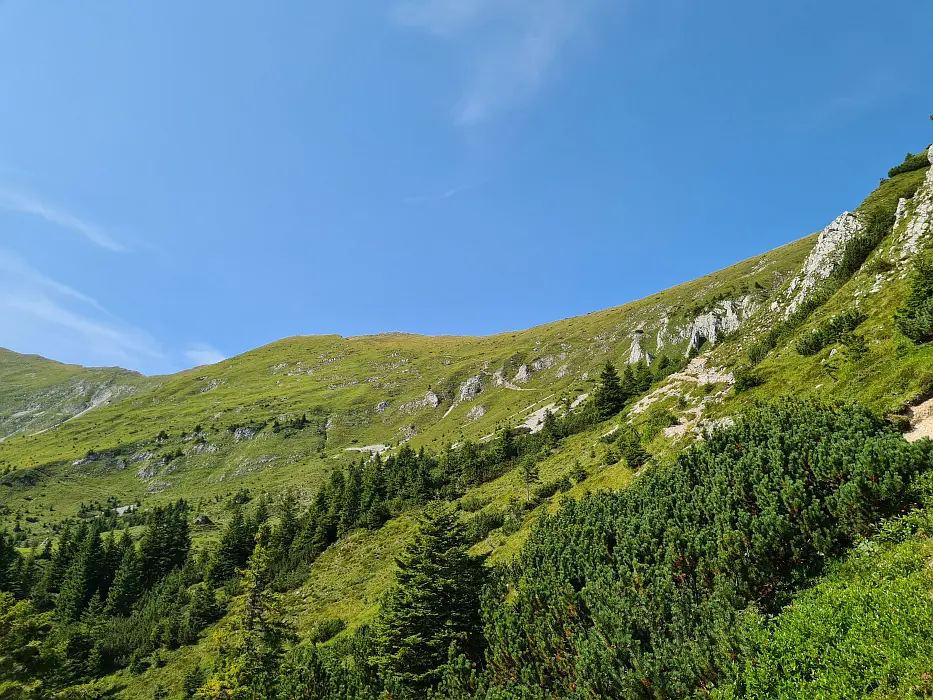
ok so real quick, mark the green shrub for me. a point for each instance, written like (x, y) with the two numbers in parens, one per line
(746, 379)
(647, 588)
(834, 330)
(912, 161)
(914, 318)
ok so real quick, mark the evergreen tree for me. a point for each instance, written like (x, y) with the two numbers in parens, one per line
(350, 506)
(165, 544)
(127, 584)
(251, 647)
(373, 511)
(550, 430)
(433, 603)
(503, 449)
(232, 552)
(609, 397)
(530, 474)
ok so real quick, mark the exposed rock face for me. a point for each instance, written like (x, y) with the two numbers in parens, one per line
(429, 400)
(523, 375)
(543, 363)
(662, 333)
(562, 371)
(382, 406)
(241, 434)
(203, 520)
(919, 225)
(722, 320)
(822, 260)
(636, 352)
(476, 413)
(471, 388)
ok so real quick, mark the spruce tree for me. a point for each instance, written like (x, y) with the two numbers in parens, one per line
(251, 647)
(530, 474)
(433, 603)
(609, 397)
(127, 584)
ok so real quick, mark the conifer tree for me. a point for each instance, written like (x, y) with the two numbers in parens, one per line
(433, 603)
(609, 397)
(251, 647)
(232, 552)
(530, 474)
(127, 584)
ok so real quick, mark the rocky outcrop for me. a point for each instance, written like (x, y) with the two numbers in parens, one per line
(429, 400)
(476, 413)
(724, 319)
(543, 363)
(523, 375)
(822, 260)
(919, 225)
(382, 406)
(241, 434)
(636, 352)
(470, 389)
(662, 338)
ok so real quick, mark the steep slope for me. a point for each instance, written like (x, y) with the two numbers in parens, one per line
(201, 431)
(36, 393)
(816, 317)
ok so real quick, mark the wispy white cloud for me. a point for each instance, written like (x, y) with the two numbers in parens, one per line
(40, 314)
(14, 266)
(25, 204)
(203, 354)
(509, 47)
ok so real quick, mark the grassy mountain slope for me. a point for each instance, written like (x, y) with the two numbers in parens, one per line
(36, 393)
(207, 433)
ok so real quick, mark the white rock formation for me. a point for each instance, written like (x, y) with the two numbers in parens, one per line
(919, 225)
(476, 413)
(471, 388)
(523, 375)
(662, 333)
(382, 406)
(822, 260)
(543, 363)
(725, 318)
(636, 352)
(429, 400)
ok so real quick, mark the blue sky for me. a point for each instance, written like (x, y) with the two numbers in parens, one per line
(183, 181)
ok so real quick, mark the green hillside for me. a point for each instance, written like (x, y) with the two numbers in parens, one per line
(36, 393)
(704, 516)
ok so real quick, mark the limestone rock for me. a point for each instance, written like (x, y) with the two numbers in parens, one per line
(203, 520)
(241, 434)
(636, 352)
(822, 260)
(476, 413)
(523, 375)
(382, 406)
(471, 388)
(429, 400)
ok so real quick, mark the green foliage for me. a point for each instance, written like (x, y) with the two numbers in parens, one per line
(746, 379)
(831, 331)
(914, 317)
(433, 604)
(912, 161)
(640, 593)
(861, 632)
(610, 396)
(252, 644)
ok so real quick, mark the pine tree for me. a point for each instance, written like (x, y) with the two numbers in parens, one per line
(530, 474)
(350, 506)
(127, 584)
(373, 511)
(251, 647)
(232, 552)
(433, 603)
(550, 431)
(503, 449)
(609, 397)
